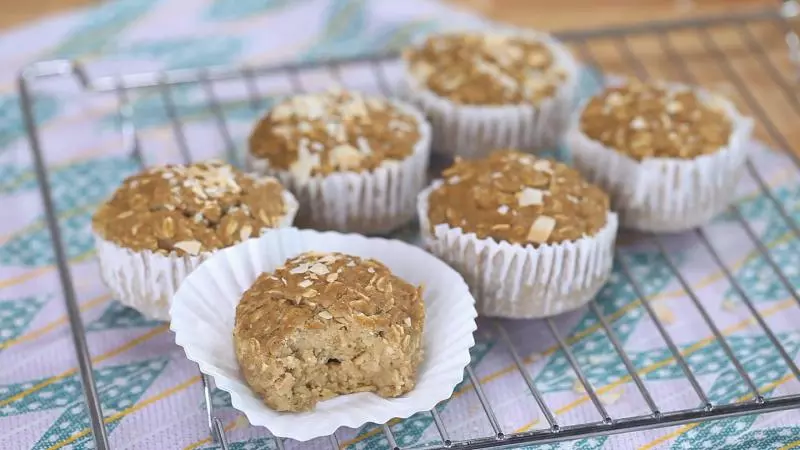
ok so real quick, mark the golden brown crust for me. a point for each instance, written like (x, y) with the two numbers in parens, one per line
(652, 121)
(328, 324)
(518, 198)
(189, 209)
(486, 69)
(334, 131)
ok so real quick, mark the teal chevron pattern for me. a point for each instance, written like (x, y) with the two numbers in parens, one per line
(184, 52)
(77, 189)
(595, 353)
(252, 444)
(224, 10)
(55, 395)
(11, 124)
(33, 248)
(582, 444)
(100, 27)
(79, 184)
(765, 366)
(17, 314)
(119, 387)
(392, 38)
(116, 316)
(758, 279)
(778, 437)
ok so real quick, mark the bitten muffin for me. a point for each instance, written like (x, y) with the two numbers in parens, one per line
(163, 222)
(487, 90)
(531, 237)
(324, 325)
(669, 155)
(355, 162)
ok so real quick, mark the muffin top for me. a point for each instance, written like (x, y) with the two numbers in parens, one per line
(473, 68)
(317, 290)
(190, 209)
(333, 131)
(518, 198)
(644, 120)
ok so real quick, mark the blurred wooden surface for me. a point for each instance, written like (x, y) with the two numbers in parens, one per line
(15, 12)
(576, 14)
(547, 14)
(755, 55)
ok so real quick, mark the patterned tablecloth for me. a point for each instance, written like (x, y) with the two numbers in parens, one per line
(151, 394)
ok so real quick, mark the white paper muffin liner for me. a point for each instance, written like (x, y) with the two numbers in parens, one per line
(666, 194)
(146, 280)
(374, 202)
(522, 282)
(204, 309)
(472, 131)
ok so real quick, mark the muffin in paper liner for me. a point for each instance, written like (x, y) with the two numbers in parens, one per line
(146, 280)
(522, 282)
(203, 316)
(368, 202)
(471, 131)
(666, 194)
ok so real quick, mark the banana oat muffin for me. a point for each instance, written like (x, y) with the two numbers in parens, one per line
(669, 155)
(531, 237)
(355, 162)
(328, 324)
(161, 223)
(486, 90)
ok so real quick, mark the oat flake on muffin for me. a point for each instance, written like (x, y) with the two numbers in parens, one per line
(336, 131)
(530, 236)
(355, 162)
(517, 198)
(163, 222)
(493, 89)
(190, 209)
(651, 121)
(486, 69)
(669, 155)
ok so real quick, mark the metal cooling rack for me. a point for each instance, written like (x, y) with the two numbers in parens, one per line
(764, 36)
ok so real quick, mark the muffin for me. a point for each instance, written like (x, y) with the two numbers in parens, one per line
(530, 236)
(355, 162)
(160, 224)
(328, 324)
(669, 155)
(487, 90)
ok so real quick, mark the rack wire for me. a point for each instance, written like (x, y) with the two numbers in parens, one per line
(766, 37)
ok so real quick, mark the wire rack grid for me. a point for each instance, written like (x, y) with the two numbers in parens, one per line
(686, 50)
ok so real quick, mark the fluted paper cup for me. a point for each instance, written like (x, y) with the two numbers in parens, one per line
(370, 202)
(666, 194)
(204, 310)
(146, 280)
(471, 131)
(523, 282)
